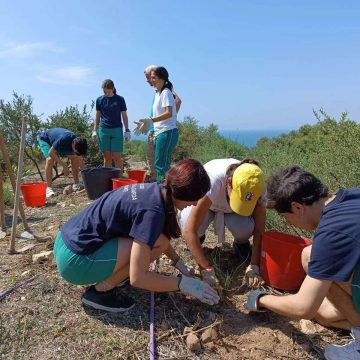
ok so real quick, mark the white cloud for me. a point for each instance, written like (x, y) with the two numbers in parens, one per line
(66, 75)
(23, 50)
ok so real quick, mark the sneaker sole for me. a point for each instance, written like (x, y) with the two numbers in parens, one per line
(105, 308)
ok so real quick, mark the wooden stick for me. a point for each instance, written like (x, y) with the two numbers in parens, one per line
(215, 323)
(2, 205)
(17, 189)
(10, 172)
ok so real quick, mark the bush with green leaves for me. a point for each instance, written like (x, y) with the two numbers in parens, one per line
(11, 114)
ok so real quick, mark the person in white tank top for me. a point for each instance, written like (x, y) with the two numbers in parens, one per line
(236, 200)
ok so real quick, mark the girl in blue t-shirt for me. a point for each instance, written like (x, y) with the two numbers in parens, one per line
(108, 125)
(116, 238)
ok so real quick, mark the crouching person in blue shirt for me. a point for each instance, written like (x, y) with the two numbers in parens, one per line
(57, 143)
(330, 293)
(122, 232)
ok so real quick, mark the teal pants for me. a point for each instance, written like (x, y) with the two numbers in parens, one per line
(165, 143)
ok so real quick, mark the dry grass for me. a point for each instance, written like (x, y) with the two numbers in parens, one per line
(45, 319)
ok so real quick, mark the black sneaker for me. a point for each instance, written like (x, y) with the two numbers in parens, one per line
(242, 250)
(111, 301)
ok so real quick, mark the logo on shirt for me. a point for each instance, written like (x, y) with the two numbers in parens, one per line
(249, 196)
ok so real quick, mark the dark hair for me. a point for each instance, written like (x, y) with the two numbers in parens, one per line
(231, 168)
(186, 180)
(108, 84)
(293, 184)
(163, 74)
(80, 146)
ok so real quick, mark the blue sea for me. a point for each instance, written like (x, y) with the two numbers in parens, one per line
(250, 137)
(244, 137)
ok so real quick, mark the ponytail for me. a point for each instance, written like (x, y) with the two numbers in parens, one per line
(171, 226)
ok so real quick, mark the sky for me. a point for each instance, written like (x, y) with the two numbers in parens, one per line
(238, 64)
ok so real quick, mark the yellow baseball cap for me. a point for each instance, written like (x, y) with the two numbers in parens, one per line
(247, 186)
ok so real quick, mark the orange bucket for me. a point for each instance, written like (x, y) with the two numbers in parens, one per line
(34, 193)
(138, 175)
(122, 182)
(280, 263)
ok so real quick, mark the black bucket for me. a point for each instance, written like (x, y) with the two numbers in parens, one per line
(97, 181)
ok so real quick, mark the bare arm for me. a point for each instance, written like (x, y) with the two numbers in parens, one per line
(53, 154)
(171, 253)
(166, 115)
(190, 232)
(125, 119)
(141, 277)
(304, 304)
(259, 218)
(177, 101)
(97, 120)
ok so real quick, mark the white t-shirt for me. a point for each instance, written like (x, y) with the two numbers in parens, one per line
(216, 170)
(161, 101)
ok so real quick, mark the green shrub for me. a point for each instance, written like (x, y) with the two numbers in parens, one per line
(8, 195)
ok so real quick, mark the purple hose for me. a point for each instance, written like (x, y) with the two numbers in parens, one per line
(152, 318)
(5, 293)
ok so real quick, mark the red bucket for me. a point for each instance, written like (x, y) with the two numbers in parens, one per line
(280, 263)
(122, 182)
(138, 175)
(34, 193)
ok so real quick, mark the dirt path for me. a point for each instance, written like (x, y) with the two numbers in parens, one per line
(45, 319)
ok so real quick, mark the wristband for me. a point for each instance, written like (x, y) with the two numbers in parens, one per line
(127, 130)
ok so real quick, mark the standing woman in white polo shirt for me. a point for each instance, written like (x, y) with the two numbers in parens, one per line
(164, 118)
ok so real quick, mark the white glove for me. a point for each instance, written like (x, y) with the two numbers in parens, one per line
(208, 275)
(183, 268)
(142, 126)
(199, 290)
(78, 187)
(253, 277)
(127, 135)
(94, 135)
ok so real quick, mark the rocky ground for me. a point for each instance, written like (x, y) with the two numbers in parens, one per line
(45, 319)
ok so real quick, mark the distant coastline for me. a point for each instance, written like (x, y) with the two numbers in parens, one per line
(249, 138)
(246, 138)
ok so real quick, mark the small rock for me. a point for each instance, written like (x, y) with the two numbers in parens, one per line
(308, 327)
(42, 256)
(50, 227)
(193, 342)
(25, 272)
(187, 330)
(68, 190)
(209, 335)
(210, 346)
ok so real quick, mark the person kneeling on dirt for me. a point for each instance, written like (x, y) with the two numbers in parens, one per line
(57, 143)
(330, 292)
(122, 232)
(236, 200)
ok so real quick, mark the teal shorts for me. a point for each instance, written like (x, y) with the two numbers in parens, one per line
(45, 148)
(111, 139)
(355, 288)
(85, 269)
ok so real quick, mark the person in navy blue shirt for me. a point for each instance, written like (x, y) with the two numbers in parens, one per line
(111, 114)
(330, 293)
(122, 232)
(57, 143)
